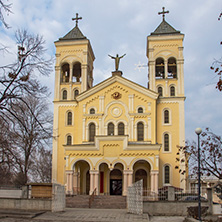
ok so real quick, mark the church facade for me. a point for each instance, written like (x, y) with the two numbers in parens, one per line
(117, 132)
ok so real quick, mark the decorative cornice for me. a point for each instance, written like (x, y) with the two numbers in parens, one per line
(126, 154)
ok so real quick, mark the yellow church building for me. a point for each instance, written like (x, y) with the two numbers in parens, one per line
(110, 135)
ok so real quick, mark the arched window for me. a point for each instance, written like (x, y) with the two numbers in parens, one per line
(140, 110)
(110, 131)
(166, 142)
(92, 111)
(69, 118)
(140, 131)
(160, 91)
(121, 129)
(172, 91)
(166, 174)
(92, 132)
(166, 116)
(69, 140)
(65, 73)
(64, 95)
(160, 73)
(76, 93)
(77, 72)
(172, 68)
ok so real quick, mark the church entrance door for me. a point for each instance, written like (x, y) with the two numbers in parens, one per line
(116, 182)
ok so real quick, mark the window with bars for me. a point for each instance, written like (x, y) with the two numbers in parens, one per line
(172, 91)
(140, 110)
(64, 95)
(92, 111)
(76, 93)
(92, 132)
(121, 128)
(160, 91)
(166, 174)
(166, 116)
(166, 142)
(69, 118)
(140, 131)
(69, 140)
(110, 129)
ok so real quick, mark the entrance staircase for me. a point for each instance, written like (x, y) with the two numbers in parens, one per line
(100, 202)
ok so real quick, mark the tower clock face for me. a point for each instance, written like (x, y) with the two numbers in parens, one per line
(116, 95)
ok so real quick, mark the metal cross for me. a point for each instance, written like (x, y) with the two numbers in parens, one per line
(163, 13)
(77, 18)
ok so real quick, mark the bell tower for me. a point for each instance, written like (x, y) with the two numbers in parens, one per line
(165, 55)
(74, 64)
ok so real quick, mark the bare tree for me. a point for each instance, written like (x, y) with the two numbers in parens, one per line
(18, 78)
(210, 155)
(217, 66)
(29, 135)
(4, 8)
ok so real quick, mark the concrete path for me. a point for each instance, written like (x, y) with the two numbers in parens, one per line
(166, 219)
(84, 215)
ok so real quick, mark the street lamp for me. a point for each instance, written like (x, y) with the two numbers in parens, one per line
(198, 131)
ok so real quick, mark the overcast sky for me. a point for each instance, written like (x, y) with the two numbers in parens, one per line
(122, 26)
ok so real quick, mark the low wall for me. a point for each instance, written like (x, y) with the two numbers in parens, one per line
(168, 208)
(12, 193)
(26, 204)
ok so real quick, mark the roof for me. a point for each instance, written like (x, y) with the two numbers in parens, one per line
(74, 34)
(165, 29)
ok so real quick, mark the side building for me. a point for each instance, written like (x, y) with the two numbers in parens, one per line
(113, 134)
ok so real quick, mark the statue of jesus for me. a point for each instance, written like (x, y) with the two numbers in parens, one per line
(117, 60)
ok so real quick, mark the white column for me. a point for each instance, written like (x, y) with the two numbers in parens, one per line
(84, 78)
(96, 181)
(152, 181)
(130, 177)
(125, 182)
(91, 181)
(75, 183)
(131, 136)
(101, 104)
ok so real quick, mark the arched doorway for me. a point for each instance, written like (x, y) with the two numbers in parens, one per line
(104, 178)
(81, 177)
(116, 180)
(141, 170)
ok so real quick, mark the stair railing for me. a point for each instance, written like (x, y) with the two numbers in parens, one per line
(91, 198)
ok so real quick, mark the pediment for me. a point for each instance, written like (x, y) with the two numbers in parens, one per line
(123, 81)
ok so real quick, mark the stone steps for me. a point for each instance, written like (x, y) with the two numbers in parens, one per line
(100, 202)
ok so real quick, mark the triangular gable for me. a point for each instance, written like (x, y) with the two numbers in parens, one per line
(113, 79)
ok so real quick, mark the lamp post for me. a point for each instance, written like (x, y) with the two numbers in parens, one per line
(198, 131)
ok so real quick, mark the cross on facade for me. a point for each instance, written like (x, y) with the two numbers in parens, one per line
(163, 13)
(77, 18)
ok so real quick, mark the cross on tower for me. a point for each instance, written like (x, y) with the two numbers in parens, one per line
(77, 18)
(163, 13)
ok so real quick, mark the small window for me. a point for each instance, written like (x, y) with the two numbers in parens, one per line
(69, 140)
(166, 174)
(92, 132)
(64, 95)
(121, 129)
(92, 111)
(160, 73)
(140, 131)
(69, 118)
(76, 93)
(160, 91)
(110, 129)
(166, 142)
(166, 116)
(172, 91)
(140, 110)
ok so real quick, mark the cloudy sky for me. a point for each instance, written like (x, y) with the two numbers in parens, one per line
(122, 26)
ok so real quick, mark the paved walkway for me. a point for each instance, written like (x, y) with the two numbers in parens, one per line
(84, 215)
